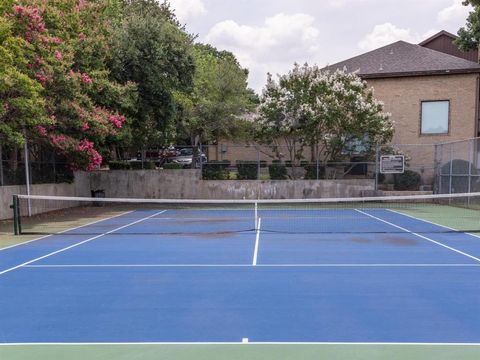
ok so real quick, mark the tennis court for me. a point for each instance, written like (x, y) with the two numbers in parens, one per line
(276, 273)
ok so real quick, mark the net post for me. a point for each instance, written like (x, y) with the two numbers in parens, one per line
(17, 228)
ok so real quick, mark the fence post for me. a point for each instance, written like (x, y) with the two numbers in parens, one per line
(470, 163)
(437, 183)
(27, 172)
(1, 166)
(377, 168)
(201, 160)
(451, 170)
(318, 169)
(258, 163)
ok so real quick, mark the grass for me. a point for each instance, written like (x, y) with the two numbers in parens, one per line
(240, 352)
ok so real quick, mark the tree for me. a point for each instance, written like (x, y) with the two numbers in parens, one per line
(21, 103)
(330, 112)
(219, 98)
(150, 49)
(67, 60)
(469, 35)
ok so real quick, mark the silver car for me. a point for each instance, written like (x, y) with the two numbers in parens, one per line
(185, 158)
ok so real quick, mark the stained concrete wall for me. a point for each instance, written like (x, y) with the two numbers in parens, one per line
(187, 184)
(78, 188)
(181, 184)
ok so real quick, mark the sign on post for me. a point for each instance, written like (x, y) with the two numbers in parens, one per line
(392, 164)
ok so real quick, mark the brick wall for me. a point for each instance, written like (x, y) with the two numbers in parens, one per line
(403, 97)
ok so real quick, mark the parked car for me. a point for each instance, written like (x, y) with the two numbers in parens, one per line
(185, 158)
(160, 157)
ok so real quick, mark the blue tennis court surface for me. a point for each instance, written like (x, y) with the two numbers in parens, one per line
(208, 276)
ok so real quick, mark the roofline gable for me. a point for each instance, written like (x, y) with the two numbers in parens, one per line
(437, 35)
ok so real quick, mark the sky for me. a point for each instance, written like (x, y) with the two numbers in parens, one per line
(269, 36)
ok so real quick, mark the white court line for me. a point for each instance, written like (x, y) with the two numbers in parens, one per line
(420, 236)
(78, 244)
(67, 266)
(257, 243)
(65, 231)
(431, 222)
(240, 343)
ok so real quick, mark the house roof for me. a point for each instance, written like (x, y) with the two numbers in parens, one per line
(437, 35)
(402, 59)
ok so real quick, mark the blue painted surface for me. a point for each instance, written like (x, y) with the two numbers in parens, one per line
(210, 304)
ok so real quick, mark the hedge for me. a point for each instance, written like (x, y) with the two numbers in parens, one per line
(147, 165)
(278, 171)
(119, 165)
(216, 170)
(408, 181)
(248, 170)
(172, 166)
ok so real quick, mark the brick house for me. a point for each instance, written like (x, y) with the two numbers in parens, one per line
(431, 89)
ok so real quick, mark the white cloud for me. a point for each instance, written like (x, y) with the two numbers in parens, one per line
(188, 9)
(454, 13)
(388, 33)
(273, 46)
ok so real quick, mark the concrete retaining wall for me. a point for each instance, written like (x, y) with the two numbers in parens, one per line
(7, 192)
(182, 184)
(187, 184)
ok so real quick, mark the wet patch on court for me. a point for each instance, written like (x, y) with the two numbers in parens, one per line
(398, 240)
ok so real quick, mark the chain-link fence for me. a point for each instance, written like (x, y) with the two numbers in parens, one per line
(44, 167)
(458, 167)
(420, 167)
(445, 168)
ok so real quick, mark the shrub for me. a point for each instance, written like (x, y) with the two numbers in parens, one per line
(311, 171)
(247, 170)
(172, 166)
(408, 181)
(119, 165)
(146, 165)
(278, 171)
(216, 170)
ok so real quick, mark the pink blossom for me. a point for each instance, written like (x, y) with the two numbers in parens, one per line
(85, 145)
(41, 78)
(58, 55)
(86, 79)
(56, 40)
(81, 36)
(85, 127)
(59, 140)
(41, 130)
(18, 9)
(96, 159)
(117, 120)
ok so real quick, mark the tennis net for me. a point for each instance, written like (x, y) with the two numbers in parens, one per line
(76, 215)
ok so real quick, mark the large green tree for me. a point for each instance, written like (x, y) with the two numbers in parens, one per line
(469, 35)
(150, 48)
(220, 96)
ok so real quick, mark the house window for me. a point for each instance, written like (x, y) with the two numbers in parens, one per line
(435, 117)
